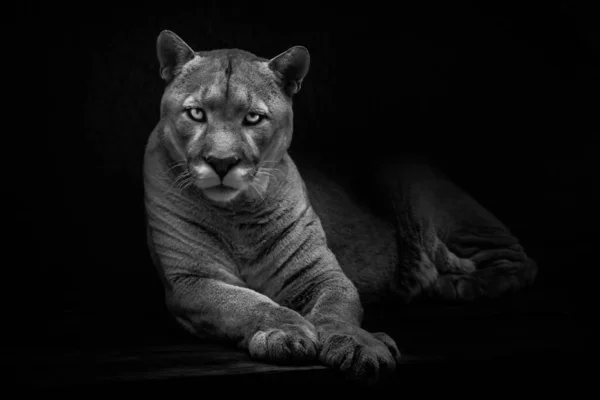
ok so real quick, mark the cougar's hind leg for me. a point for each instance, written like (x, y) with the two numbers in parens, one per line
(449, 244)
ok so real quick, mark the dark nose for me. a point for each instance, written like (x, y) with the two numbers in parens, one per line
(222, 165)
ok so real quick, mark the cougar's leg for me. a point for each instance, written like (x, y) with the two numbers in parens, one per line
(449, 244)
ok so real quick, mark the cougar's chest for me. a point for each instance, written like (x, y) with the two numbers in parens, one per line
(246, 242)
(253, 248)
(244, 239)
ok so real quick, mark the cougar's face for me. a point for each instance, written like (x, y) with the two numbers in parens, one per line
(228, 122)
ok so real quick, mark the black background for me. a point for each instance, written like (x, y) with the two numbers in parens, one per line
(505, 98)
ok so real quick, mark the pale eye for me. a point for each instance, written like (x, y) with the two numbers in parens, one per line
(253, 118)
(197, 114)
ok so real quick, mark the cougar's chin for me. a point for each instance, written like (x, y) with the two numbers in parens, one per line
(221, 193)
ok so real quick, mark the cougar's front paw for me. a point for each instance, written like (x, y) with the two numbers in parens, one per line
(361, 355)
(286, 339)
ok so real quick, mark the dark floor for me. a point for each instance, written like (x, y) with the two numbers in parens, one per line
(530, 340)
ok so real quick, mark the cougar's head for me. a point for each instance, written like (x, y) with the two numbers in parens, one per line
(226, 115)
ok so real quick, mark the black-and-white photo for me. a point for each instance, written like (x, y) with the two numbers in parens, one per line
(252, 197)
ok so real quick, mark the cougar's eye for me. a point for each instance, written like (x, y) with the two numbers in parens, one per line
(197, 114)
(253, 118)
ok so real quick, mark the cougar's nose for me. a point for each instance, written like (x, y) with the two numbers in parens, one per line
(222, 165)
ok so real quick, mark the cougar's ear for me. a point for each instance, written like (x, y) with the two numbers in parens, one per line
(291, 66)
(172, 53)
